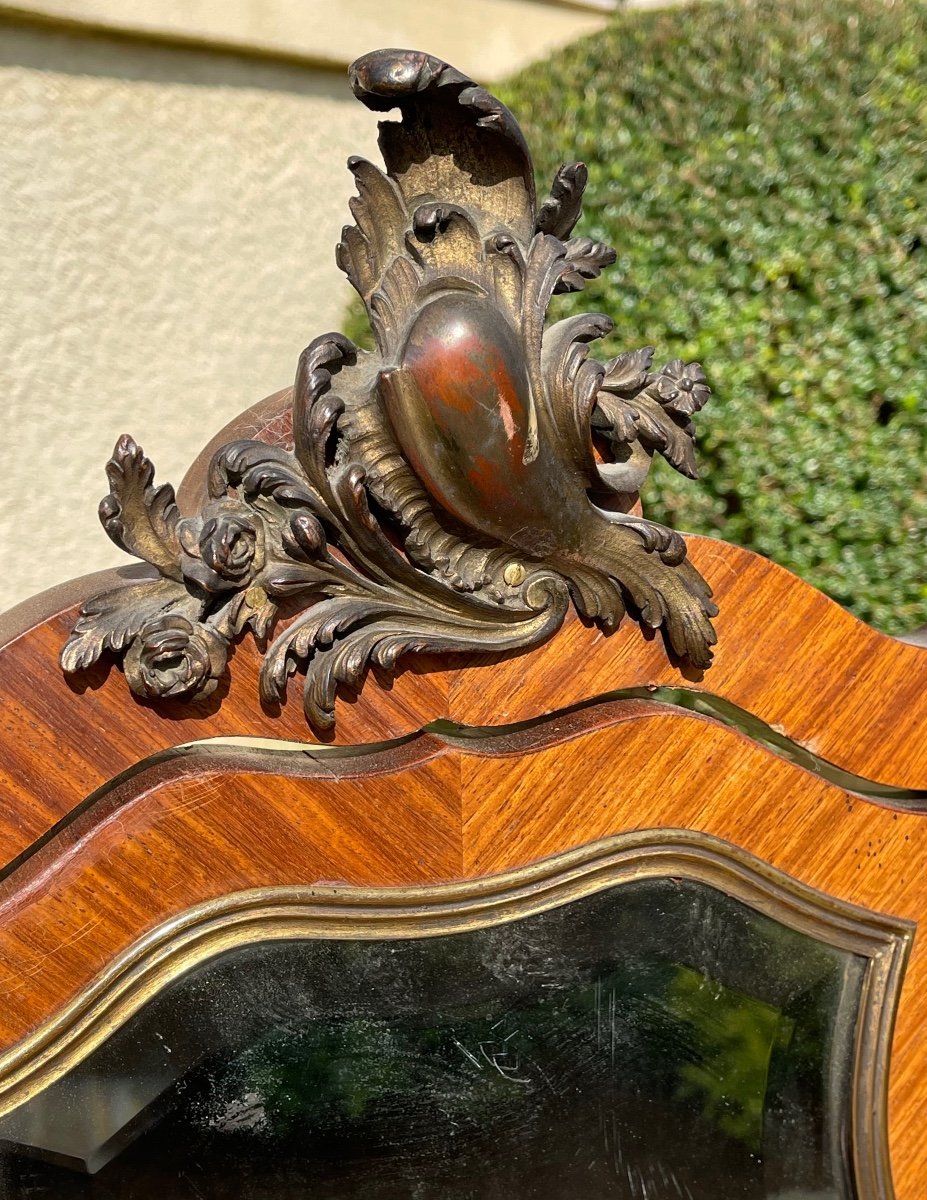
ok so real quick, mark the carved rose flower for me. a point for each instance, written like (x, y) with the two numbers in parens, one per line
(681, 387)
(173, 657)
(224, 548)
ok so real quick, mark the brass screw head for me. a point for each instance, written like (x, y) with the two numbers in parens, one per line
(514, 574)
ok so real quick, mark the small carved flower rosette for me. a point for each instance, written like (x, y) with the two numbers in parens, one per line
(444, 491)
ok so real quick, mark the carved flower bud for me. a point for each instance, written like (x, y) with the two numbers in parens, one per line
(224, 548)
(109, 508)
(681, 387)
(304, 537)
(171, 656)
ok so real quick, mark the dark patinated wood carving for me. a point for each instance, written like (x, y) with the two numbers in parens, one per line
(442, 492)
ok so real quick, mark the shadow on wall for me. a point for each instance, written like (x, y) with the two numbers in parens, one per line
(166, 252)
(129, 58)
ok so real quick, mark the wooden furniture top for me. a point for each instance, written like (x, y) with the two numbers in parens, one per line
(428, 541)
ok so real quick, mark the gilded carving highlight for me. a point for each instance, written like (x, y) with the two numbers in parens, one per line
(455, 489)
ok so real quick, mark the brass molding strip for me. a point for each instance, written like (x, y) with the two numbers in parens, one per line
(727, 713)
(308, 759)
(287, 913)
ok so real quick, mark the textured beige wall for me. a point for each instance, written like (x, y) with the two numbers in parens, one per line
(168, 217)
(486, 38)
(167, 225)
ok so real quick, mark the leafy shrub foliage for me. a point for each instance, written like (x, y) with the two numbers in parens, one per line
(761, 170)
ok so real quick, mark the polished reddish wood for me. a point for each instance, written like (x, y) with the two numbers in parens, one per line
(97, 858)
(270, 421)
(187, 831)
(183, 832)
(62, 739)
(786, 653)
(466, 363)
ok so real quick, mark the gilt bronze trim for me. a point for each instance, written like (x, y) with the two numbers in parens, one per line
(281, 913)
(455, 489)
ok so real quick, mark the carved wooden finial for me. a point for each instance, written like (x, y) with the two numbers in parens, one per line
(440, 495)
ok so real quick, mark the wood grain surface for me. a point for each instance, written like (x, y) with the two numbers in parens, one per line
(190, 829)
(786, 653)
(109, 836)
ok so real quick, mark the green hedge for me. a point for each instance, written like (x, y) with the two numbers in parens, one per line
(761, 170)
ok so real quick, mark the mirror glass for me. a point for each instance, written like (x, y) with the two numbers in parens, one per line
(656, 1041)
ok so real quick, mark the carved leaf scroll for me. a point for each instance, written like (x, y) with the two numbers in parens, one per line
(440, 496)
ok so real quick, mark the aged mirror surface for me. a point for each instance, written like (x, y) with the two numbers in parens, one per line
(658, 1039)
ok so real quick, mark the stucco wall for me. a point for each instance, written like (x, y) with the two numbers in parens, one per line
(168, 216)
(169, 219)
(485, 38)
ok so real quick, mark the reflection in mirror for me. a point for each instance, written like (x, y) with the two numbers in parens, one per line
(658, 1039)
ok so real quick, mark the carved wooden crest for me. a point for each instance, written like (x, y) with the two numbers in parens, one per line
(446, 491)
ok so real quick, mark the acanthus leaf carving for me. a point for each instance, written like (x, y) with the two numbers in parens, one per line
(139, 517)
(440, 495)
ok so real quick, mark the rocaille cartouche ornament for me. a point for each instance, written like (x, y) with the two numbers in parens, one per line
(443, 492)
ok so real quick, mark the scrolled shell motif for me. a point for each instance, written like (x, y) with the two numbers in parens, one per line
(441, 492)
